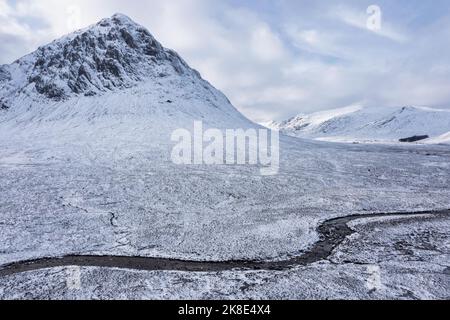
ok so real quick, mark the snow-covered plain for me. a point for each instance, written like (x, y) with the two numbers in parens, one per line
(396, 259)
(156, 209)
(88, 172)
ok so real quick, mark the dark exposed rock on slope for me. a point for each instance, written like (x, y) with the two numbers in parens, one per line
(115, 53)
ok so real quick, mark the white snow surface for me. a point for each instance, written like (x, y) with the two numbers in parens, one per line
(369, 125)
(409, 262)
(442, 139)
(85, 167)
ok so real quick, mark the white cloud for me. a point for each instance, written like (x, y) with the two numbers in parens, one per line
(5, 9)
(265, 45)
(302, 59)
(359, 19)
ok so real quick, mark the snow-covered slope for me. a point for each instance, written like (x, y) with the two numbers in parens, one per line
(111, 80)
(356, 124)
(442, 139)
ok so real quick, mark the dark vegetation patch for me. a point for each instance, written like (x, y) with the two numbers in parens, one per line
(414, 139)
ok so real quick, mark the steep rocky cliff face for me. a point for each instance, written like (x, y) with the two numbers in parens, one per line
(115, 53)
(111, 74)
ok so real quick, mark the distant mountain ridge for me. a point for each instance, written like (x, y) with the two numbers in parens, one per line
(357, 124)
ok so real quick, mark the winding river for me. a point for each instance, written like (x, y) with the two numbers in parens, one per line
(332, 234)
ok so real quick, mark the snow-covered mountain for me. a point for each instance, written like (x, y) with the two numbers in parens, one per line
(357, 124)
(85, 170)
(112, 80)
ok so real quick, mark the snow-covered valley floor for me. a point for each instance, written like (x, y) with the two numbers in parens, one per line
(406, 260)
(55, 203)
(85, 169)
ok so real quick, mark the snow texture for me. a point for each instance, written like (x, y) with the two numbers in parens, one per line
(370, 125)
(85, 127)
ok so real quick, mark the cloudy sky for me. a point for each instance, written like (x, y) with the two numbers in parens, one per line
(274, 58)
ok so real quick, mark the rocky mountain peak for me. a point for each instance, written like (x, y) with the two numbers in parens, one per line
(115, 53)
